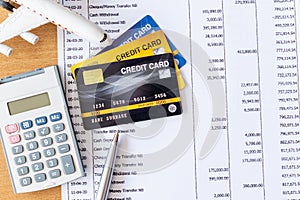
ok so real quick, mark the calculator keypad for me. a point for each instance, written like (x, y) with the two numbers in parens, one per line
(68, 164)
(37, 166)
(17, 149)
(23, 170)
(29, 135)
(25, 181)
(44, 153)
(35, 156)
(41, 120)
(20, 160)
(46, 142)
(55, 173)
(49, 152)
(32, 145)
(52, 163)
(55, 117)
(61, 138)
(40, 177)
(14, 139)
(11, 128)
(44, 131)
(26, 124)
(58, 127)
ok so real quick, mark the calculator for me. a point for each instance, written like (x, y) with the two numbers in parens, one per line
(36, 131)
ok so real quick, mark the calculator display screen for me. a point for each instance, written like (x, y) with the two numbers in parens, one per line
(28, 103)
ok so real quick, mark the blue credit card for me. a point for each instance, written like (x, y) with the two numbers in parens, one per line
(145, 26)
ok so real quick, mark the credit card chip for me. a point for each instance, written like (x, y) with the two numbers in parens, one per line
(93, 76)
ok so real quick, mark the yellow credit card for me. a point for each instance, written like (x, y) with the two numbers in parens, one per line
(152, 44)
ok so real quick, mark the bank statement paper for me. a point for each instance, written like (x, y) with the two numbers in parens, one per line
(238, 136)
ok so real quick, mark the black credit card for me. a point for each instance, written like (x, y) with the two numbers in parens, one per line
(128, 91)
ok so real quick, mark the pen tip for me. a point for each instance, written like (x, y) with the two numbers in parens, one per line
(116, 137)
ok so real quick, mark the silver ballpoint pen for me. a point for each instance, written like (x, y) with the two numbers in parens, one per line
(108, 170)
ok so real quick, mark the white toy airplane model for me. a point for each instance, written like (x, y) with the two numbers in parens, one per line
(34, 13)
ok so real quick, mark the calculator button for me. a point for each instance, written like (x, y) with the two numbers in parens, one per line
(49, 152)
(61, 138)
(17, 149)
(11, 128)
(68, 164)
(43, 131)
(32, 146)
(23, 170)
(35, 156)
(52, 163)
(55, 117)
(25, 181)
(20, 160)
(29, 135)
(14, 139)
(55, 173)
(46, 142)
(26, 124)
(41, 120)
(37, 166)
(40, 177)
(64, 148)
(58, 127)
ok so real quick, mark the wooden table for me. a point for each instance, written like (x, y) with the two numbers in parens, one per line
(27, 57)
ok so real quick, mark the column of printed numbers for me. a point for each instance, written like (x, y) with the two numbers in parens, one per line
(76, 50)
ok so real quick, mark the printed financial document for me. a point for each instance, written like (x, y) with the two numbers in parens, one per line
(238, 136)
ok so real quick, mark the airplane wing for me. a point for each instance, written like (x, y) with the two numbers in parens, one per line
(18, 22)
